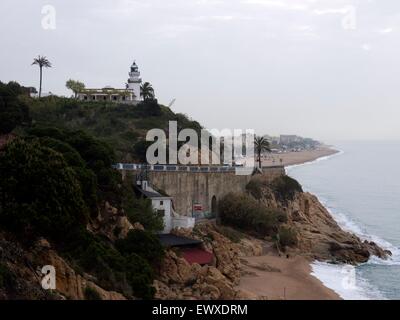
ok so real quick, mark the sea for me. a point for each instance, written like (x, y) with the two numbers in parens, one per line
(360, 186)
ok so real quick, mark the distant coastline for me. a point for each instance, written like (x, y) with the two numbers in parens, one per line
(300, 157)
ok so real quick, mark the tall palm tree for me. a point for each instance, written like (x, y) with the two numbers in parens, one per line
(261, 144)
(147, 91)
(42, 62)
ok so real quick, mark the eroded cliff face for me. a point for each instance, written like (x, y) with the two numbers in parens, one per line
(21, 276)
(20, 265)
(318, 234)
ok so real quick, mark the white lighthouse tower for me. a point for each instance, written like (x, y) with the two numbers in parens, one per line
(135, 81)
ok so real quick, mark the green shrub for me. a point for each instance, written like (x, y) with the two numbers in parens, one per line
(140, 150)
(13, 111)
(140, 209)
(232, 234)
(254, 187)
(86, 177)
(143, 243)
(148, 108)
(95, 255)
(131, 135)
(287, 237)
(7, 279)
(91, 294)
(89, 157)
(285, 188)
(40, 194)
(243, 212)
(70, 154)
(140, 276)
(117, 269)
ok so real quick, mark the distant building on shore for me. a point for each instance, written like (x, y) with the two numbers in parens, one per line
(288, 139)
(130, 94)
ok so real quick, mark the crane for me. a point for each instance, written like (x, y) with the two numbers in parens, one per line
(171, 103)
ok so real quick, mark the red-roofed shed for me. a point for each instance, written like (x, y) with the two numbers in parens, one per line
(197, 255)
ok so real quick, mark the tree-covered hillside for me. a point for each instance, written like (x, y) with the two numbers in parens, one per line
(120, 125)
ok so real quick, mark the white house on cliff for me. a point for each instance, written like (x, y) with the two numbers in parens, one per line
(163, 206)
(130, 94)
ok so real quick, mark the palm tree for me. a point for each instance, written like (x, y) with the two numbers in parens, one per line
(41, 61)
(261, 144)
(147, 91)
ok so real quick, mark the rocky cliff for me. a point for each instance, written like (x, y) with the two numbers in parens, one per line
(318, 234)
(21, 275)
(20, 264)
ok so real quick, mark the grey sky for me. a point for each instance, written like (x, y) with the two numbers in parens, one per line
(276, 66)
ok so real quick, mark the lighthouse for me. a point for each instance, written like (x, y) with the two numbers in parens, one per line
(134, 81)
(130, 94)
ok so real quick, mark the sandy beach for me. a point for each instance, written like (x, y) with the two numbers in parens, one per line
(279, 278)
(292, 158)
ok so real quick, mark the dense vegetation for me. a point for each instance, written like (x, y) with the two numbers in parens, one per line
(285, 188)
(13, 112)
(6, 277)
(246, 212)
(142, 243)
(91, 294)
(40, 193)
(286, 237)
(55, 177)
(254, 188)
(243, 212)
(122, 126)
(41, 196)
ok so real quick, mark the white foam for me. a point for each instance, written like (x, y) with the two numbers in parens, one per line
(344, 281)
(329, 274)
(348, 224)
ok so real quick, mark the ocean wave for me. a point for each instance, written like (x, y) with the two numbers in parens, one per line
(348, 224)
(329, 274)
(344, 280)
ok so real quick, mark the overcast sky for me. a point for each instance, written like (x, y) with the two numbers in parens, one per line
(327, 69)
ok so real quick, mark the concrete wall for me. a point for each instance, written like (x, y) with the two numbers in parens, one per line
(188, 188)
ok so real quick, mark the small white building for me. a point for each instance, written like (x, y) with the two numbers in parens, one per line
(130, 94)
(44, 94)
(163, 206)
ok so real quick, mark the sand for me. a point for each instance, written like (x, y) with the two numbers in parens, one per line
(279, 278)
(292, 158)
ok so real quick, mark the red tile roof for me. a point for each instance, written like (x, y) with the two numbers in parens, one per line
(197, 255)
